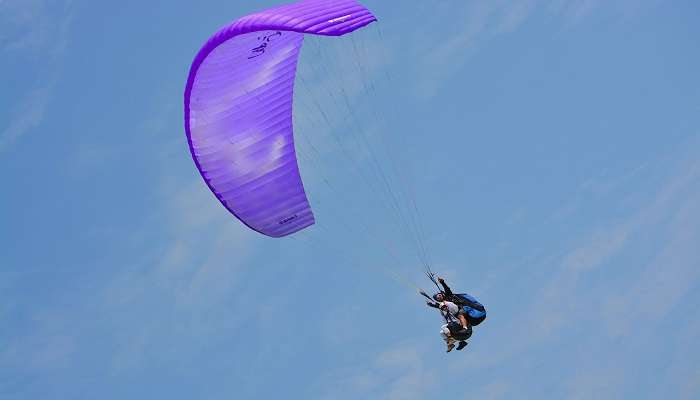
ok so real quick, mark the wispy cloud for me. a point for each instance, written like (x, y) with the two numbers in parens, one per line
(196, 268)
(28, 115)
(397, 373)
(500, 389)
(616, 278)
(35, 33)
(475, 23)
(50, 346)
(462, 28)
(574, 12)
(599, 383)
(675, 269)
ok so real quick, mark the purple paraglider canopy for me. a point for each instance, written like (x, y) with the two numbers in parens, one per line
(238, 110)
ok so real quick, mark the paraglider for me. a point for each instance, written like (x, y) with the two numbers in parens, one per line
(238, 110)
(238, 119)
(460, 311)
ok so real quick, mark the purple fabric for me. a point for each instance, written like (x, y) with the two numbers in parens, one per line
(238, 110)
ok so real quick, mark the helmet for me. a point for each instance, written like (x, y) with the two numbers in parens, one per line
(440, 296)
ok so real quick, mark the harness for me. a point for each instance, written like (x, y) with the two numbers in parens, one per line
(463, 299)
(449, 318)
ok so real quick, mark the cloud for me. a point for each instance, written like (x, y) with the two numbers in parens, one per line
(515, 15)
(615, 276)
(500, 389)
(459, 29)
(599, 247)
(596, 383)
(673, 213)
(173, 280)
(669, 276)
(36, 33)
(443, 53)
(49, 346)
(24, 25)
(27, 115)
(574, 12)
(399, 373)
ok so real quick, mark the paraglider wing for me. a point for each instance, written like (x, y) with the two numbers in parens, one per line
(238, 110)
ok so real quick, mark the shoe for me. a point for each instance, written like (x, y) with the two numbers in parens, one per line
(450, 344)
(462, 345)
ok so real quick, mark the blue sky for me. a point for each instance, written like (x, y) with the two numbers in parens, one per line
(552, 149)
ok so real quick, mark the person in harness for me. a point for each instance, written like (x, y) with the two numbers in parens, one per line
(461, 312)
(452, 331)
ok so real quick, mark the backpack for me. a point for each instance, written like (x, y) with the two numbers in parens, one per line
(463, 299)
